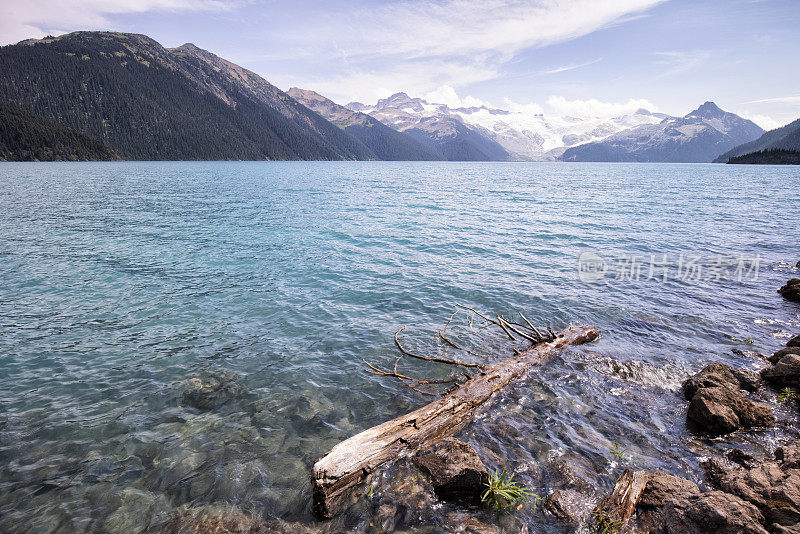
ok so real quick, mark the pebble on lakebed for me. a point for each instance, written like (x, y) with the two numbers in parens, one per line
(212, 390)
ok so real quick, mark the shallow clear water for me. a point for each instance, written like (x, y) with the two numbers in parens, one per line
(121, 281)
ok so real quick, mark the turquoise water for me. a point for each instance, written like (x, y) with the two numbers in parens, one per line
(121, 281)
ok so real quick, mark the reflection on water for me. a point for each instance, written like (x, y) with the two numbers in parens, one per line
(185, 334)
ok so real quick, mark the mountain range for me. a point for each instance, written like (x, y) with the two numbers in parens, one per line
(124, 96)
(516, 135)
(700, 136)
(384, 142)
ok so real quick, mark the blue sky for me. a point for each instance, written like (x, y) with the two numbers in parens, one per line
(557, 55)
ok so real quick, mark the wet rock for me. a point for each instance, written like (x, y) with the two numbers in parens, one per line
(466, 524)
(211, 391)
(794, 342)
(784, 373)
(780, 529)
(748, 380)
(789, 457)
(721, 410)
(384, 518)
(776, 492)
(407, 490)
(791, 290)
(754, 354)
(662, 487)
(720, 375)
(568, 506)
(775, 358)
(455, 470)
(738, 456)
(715, 469)
(571, 471)
(714, 511)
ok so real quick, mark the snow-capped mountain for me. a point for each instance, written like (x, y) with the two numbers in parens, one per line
(520, 134)
(700, 136)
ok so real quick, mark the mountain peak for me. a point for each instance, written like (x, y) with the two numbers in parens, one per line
(708, 109)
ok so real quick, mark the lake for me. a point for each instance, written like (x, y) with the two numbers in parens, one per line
(122, 282)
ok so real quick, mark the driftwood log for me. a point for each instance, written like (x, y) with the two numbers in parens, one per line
(619, 505)
(350, 463)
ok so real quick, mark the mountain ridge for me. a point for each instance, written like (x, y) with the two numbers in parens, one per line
(522, 135)
(149, 102)
(698, 136)
(385, 142)
(784, 138)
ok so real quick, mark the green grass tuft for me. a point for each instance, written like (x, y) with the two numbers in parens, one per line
(503, 493)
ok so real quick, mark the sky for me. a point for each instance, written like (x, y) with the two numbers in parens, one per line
(551, 56)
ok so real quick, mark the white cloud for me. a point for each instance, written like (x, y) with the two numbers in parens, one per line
(448, 96)
(768, 123)
(678, 62)
(414, 77)
(502, 27)
(595, 108)
(573, 66)
(778, 100)
(478, 37)
(37, 18)
(526, 109)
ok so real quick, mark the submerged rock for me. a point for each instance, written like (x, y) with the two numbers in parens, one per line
(213, 519)
(791, 290)
(569, 506)
(718, 407)
(715, 511)
(135, 513)
(455, 470)
(572, 471)
(211, 391)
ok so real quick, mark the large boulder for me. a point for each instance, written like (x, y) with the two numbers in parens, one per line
(794, 342)
(775, 490)
(715, 511)
(788, 457)
(720, 375)
(717, 405)
(784, 373)
(721, 410)
(791, 290)
(455, 470)
(775, 358)
(661, 488)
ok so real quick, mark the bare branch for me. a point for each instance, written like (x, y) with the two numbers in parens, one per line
(501, 325)
(426, 358)
(452, 344)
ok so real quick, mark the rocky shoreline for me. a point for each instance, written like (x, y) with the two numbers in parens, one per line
(439, 489)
